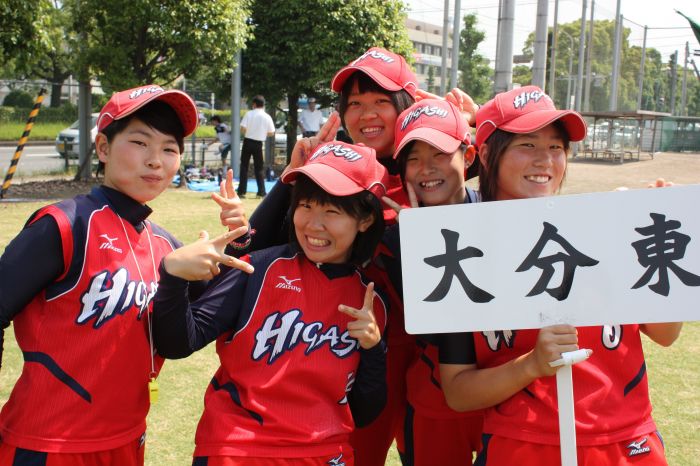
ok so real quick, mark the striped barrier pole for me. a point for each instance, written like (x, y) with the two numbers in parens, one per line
(20, 147)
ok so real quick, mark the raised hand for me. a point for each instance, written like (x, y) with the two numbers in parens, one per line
(305, 146)
(364, 328)
(232, 213)
(459, 98)
(412, 200)
(200, 260)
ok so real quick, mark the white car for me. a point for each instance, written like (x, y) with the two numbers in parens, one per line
(67, 141)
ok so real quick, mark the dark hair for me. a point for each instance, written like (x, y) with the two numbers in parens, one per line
(216, 118)
(400, 99)
(402, 159)
(359, 206)
(497, 144)
(258, 101)
(157, 115)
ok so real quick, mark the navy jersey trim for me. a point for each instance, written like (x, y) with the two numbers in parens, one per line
(637, 378)
(53, 367)
(29, 458)
(231, 389)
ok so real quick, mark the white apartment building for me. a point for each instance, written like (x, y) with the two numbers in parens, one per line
(427, 50)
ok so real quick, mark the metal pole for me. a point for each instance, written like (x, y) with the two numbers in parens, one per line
(641, 70)
(553, 53)
(616, 59)
(540, 58)
(571, 69)
(581, 49)
(589, 61)
(236, 115)
(504, 74)
(445, 32)
(84, 128)
(684, 89)
(455, 44)
(674, 79)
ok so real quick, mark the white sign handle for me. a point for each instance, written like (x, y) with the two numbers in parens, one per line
(565, 400)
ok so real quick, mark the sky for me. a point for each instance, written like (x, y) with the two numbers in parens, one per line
(636, 13)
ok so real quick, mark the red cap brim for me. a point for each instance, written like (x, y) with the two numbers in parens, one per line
(342, 76)
(331, 180)
(444, 142)
(573, 123)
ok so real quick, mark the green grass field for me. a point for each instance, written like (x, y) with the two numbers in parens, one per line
(673, 374)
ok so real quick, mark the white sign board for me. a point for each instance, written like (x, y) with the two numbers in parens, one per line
(593, 259)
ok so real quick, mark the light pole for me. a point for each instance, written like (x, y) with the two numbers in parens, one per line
(571, 68)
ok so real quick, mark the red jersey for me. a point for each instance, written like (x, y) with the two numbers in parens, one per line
(87, 358)
(611, 395)
(287, 369)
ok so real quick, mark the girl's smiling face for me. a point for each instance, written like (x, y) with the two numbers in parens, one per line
(369, 119)
(533, 165)
(436, 177)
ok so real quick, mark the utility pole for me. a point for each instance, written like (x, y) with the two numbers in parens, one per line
(455, 44)
(445, 27)
(581, 48)
(504, 71)
(684, 90)
(616, 59)
(674, 62)
(236, 115)
(553, 53)
(589, 61)
(540, 58)
(641, 70)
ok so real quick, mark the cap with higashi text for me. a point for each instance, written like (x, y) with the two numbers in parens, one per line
(125, 103)
(343, 169)
(524, 110)
(389, 70)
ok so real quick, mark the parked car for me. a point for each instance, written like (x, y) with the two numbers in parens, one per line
(67, 141)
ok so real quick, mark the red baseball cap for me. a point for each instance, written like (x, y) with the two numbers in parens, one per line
(434, 121)
(343, 169)
(124, 103)
(387, 69)
(524, 110)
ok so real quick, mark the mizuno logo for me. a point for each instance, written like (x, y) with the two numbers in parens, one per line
(339, 151)
(376, 55)
(109, 243)
(425, 110)
(522, 99)
(283, 332)
(337, 461)
(287, 284)
(638, 448)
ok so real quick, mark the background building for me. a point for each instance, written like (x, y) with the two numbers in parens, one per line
(427, 52)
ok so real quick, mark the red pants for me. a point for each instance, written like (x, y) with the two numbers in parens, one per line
(431, 441)
(130, 454)
(372, 443)
(345, 459)
(644, 450)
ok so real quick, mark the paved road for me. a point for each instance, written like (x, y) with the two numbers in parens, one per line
(35, 160)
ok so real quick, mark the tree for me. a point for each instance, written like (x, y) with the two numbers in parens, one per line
(299, 46)
(19, 31)
(431, 79)
(134, 42)
(476, 75)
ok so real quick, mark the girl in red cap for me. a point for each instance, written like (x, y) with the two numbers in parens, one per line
(298, 328)
(78, 281)
(523, 146)
(373, 90)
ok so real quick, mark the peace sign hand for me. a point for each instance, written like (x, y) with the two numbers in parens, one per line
(232, 213)
(200, 260)
(364, 328)
(412, 200)
(305, 146)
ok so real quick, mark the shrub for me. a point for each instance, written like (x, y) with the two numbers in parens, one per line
(18, 98)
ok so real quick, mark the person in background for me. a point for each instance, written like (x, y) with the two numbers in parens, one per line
(223, 136)
(310, 119)
(256, 126)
